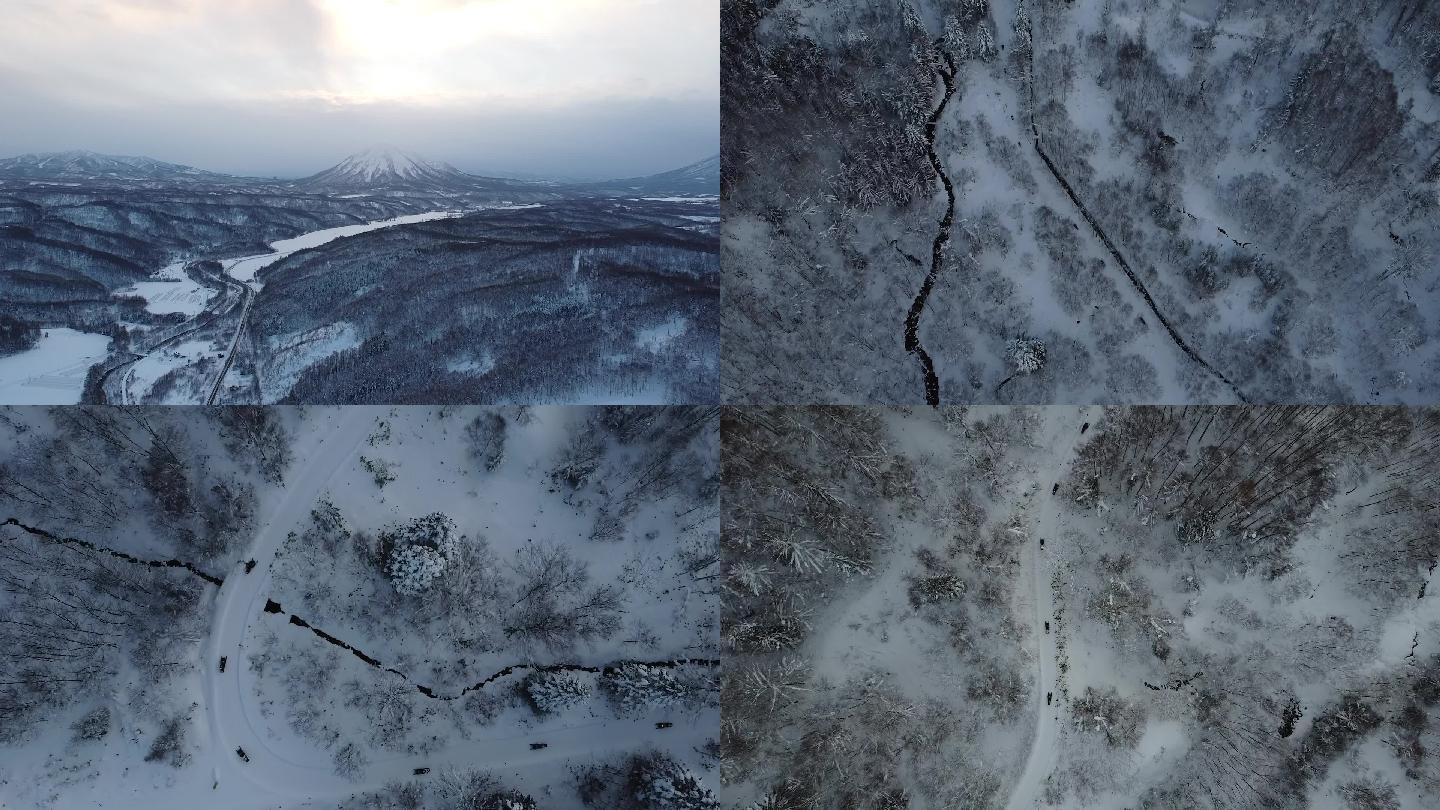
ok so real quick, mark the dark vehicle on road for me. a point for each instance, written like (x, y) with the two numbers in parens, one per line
(240, 752)
(538, 746)
(222, 663)
(664, 725)
(1047, 627)
(421, 771)
(1048, 697)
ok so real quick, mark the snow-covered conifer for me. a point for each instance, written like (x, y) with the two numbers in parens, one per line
(413, 569)
(641, 686)
(664, 784)
(420, 552)
(553, 692)
(1026, 354)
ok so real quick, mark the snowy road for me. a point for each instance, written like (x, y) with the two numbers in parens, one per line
(1062, 436)
(241, 600)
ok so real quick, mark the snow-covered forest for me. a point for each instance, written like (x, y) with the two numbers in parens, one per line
(1180, 201)
(359, 607)
(1025, 608)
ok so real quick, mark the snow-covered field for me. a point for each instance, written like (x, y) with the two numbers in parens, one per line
(52, 372)
(171, 291)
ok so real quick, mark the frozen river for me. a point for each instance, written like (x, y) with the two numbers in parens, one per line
(245, 268)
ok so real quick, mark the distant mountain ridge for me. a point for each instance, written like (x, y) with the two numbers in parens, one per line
(80, 164)
(377, 169)
(701, 177)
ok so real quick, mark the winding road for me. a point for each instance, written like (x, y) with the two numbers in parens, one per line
(242, 598)
(296, 770)
(284, 769)
(223, 306)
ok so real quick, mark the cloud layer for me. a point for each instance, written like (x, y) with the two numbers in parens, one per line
(567, 87)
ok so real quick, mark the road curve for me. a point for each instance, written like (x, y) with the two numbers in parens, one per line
(305, 773)
(242, 597)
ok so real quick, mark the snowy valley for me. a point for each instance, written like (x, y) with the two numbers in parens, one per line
(387, 278)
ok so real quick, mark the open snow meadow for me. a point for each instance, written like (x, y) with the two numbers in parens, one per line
(1196, 608)
(359, 607)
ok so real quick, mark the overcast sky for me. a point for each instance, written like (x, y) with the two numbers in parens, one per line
(578, 88)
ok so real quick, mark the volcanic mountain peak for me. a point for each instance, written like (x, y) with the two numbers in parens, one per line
(381, 166)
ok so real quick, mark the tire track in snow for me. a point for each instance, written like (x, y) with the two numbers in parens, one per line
(1064, 438)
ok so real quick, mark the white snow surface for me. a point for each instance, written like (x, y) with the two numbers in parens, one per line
(53, 371)
(170, 290)
(291, 354)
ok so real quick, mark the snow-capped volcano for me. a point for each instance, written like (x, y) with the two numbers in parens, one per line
(80, 165)
(388, 167)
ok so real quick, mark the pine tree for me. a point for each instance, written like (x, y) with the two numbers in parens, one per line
(420, 552)
(1027, 355)
(664, 784)
(413, 569)
(640, 686)
(553, 692)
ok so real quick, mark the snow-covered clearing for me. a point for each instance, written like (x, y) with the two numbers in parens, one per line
(290, 355)
(656, 338)
(52, 372)
(171, 291)
(142, 375)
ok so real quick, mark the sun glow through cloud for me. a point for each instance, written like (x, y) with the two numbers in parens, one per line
(367, 51)
(548, 85)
